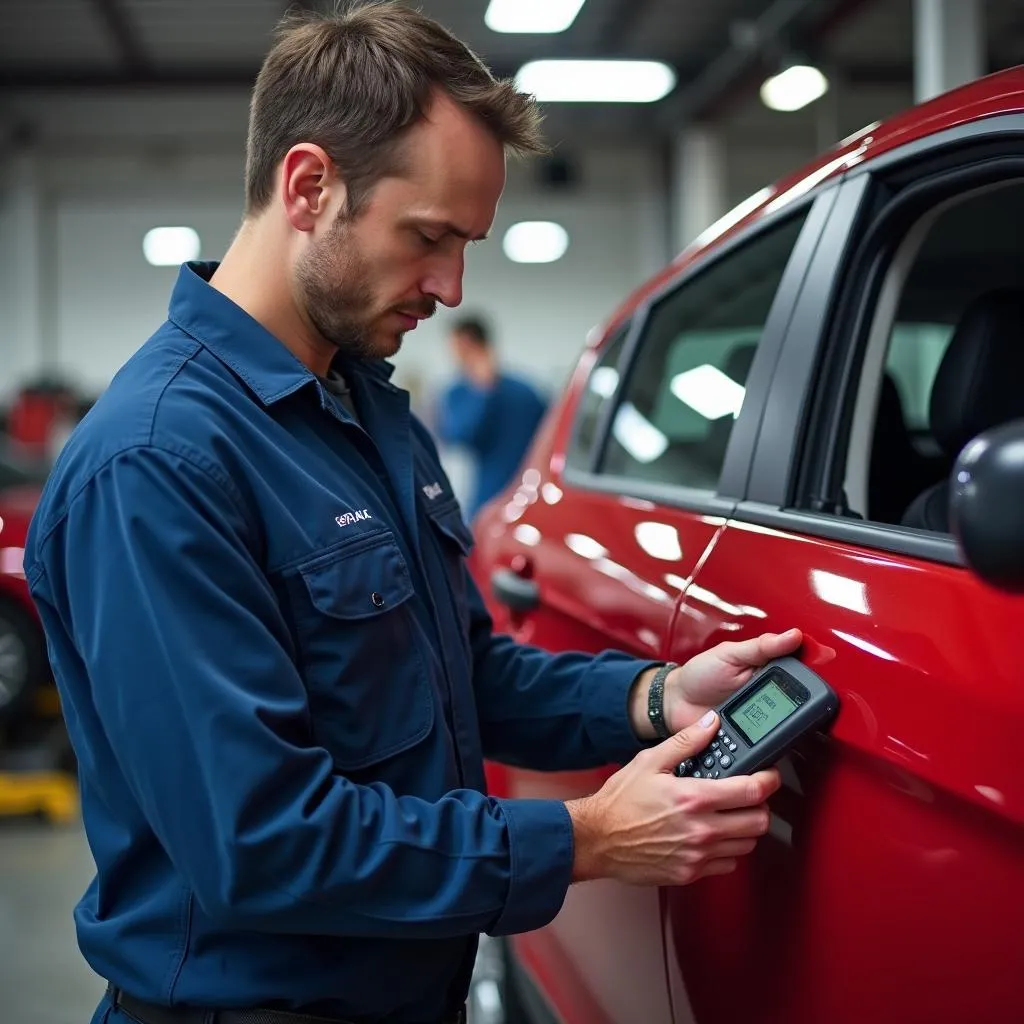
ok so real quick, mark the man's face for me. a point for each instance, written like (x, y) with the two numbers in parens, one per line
(367, 280)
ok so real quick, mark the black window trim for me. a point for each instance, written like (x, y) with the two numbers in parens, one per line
(880, 537)
(816, 205)
(769, 498)
(631, 324)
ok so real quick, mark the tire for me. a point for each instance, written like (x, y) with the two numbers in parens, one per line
(23, 662)
(493, 996)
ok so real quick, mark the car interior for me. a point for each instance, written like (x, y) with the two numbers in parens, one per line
(944, 359)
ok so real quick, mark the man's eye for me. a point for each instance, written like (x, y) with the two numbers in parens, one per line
(426, 239)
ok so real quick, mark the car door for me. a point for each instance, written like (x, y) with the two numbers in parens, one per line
(891, 885)
(596, 553)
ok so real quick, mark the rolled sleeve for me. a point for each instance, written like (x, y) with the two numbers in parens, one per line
(541, 847)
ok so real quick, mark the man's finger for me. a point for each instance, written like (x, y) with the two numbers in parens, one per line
(741, 791)
(757, 650)
(681, 745)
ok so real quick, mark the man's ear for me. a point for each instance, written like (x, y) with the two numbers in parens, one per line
(310, 186)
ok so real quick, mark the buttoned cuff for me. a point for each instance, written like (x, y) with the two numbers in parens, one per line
(606, 690)
(541, 846)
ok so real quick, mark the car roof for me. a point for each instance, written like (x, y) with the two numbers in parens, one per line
(999, 93)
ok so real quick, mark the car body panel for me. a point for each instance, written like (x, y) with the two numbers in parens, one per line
(900, 830)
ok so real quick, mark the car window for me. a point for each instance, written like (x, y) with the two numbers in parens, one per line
(686, 387)
(601, 385)
(915, 351)
(970, 253)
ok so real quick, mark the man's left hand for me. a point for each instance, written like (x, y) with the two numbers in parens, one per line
(713, 675)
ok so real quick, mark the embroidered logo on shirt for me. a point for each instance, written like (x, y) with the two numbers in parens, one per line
(352, 517)
(434, 490)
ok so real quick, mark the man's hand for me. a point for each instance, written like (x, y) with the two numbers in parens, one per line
(707, 679)
(644, 826)
(710, 677)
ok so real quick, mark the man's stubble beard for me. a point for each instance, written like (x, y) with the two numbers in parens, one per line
(335, 287)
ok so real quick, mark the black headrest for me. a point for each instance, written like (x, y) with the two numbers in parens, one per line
(980, 382)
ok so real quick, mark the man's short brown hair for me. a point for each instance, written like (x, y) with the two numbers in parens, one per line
(354, 81)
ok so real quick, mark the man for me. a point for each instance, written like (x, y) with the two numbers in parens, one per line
(278, 676)
(491, 414)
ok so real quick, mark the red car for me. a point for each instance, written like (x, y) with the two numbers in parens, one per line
(23, 660)
(763, 437)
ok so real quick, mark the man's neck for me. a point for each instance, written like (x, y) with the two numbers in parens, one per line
(260, 285)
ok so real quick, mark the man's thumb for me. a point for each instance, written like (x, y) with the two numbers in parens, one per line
(690, 741)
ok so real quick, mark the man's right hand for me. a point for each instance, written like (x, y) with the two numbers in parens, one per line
(645, 826)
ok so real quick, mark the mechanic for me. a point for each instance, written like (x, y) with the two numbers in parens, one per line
(490, 413)
(278, 676)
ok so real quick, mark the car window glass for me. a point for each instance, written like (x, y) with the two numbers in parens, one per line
(687, 385)
(599, 390)
(971, 251)
(915, 351)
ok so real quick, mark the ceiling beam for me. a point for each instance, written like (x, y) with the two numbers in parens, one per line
(123, 32)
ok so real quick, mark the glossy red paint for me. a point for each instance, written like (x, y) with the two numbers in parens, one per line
(892, 884)
(16, 508)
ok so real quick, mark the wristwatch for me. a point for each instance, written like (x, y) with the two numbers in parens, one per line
(656, 701)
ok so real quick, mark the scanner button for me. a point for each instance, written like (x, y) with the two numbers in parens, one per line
(708, 762)
(726, 761)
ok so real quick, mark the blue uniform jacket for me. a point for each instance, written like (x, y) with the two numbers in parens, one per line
(281, 682)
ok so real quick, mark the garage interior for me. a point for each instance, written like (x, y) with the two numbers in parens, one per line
(118, 117)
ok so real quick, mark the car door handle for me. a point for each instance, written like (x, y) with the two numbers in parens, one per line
(511, 589)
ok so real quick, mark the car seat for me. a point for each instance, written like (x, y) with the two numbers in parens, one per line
(979, 384)
(897, 472)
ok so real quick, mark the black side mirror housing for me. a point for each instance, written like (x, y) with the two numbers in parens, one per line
(987, 505)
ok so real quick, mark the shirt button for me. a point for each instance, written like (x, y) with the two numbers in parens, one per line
(378, 601)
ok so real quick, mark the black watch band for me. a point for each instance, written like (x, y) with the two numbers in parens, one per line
(656, 701)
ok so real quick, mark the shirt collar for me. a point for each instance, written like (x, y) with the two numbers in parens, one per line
(241, 342)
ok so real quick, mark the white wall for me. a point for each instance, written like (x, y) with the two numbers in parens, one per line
(119, 166)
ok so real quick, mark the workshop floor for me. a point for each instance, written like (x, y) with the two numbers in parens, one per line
(44, 869)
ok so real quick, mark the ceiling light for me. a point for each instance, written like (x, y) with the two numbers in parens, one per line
(707, 390)
(535, 241)
(531, 15)
(794, 88)
(169, 247)
(596, 81)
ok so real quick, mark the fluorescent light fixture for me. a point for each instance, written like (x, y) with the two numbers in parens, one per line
(708, 391)
(169, 247)
(794, 88)
(604, 380)
(531, 15)
(638, 435)
(596, 81)
(535, 241)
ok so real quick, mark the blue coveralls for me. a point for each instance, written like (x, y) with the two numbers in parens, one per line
(281, 682)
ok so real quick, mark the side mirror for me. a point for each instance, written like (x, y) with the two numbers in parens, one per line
(987, 505)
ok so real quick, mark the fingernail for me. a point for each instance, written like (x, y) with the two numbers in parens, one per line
(707, 720)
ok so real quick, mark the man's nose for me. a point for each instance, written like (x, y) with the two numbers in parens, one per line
(444, 282)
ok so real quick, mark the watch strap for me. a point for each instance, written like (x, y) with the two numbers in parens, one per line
(656, 700)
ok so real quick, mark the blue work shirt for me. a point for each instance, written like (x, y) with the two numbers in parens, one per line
(496, 425)
(280, 682)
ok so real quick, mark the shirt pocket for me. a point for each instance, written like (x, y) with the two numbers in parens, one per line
(455, 541)
(369, 696)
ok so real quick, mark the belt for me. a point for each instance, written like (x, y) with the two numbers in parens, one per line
(153, 1013)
